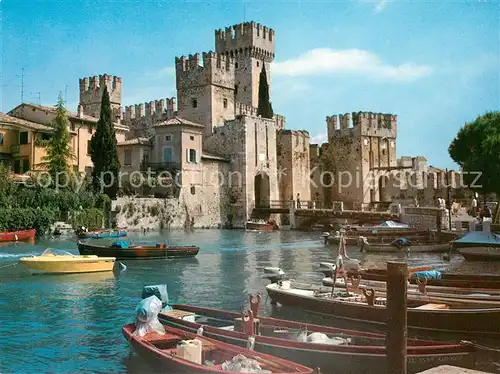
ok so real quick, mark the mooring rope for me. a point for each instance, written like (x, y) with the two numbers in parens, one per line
(480, 346)
(6, 266)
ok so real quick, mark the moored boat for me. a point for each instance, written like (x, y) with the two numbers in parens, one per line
(385, 238)
(479, 246)
(14, 236)
(441, 278)
(460, 318)
(102, 234)
(123, 250)
(331, 349)
(260, 225)
(60, 262)
(412, 247)
(215, 356)
(471, 295)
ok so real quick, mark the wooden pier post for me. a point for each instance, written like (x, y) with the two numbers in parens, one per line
(397, 278)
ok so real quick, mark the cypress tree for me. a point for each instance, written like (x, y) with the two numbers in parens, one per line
(58, 149)
(265, 109)
(103, 151)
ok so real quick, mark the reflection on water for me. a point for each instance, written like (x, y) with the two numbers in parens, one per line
(73, 323)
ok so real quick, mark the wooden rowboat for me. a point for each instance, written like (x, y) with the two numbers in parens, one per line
(163, 350)
(423, 316)
(417, 247)
(51, 262)
(378, 239)
(103, 234)
(445, 280)
(14, 236)
(137, 252)
(260, 226)
(444, 294)
(345, 351)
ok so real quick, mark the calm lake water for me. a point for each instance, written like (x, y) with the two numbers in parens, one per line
(72, 323)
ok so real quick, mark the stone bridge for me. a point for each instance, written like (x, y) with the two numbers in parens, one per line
(306, 214)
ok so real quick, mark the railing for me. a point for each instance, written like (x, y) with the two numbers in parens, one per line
(15, 148)
(161, 166)
(273, 204)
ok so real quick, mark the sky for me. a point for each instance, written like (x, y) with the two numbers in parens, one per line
(435, 64)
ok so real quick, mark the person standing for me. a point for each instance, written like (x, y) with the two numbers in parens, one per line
(298, 201)
(473, 207)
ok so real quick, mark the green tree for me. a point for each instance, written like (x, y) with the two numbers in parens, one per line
(265, 109)
(59, 154)
(103, 151)
(476, 148)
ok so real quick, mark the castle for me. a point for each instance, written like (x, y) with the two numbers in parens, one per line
(227, 158)
(215, 157)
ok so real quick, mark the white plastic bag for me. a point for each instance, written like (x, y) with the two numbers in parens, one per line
(147, 317)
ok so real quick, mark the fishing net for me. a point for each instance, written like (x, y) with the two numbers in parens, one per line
(242, 364)
(147, 317)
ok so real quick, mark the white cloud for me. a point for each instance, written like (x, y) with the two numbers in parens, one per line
(353, 61)
(380, 6)
(319, 138)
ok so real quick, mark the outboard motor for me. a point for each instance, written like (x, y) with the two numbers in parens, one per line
(274, 274)
(327, 268)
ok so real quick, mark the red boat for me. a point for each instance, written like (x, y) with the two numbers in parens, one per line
(163, 350)
(261, 225)
(331, 349)
(15, 236)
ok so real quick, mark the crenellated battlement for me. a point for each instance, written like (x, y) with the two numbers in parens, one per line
(97, 82)
(91, 90)
(246, 39)
(366, 123)
(244, 109)
(156, 108)
(210, 68)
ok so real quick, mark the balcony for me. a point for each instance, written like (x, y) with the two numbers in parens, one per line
(15, 149)
(160, 166)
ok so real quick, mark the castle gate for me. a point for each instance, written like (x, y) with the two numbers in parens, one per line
(262, 190)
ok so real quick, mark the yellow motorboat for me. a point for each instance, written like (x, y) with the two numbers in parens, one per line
(60, 262)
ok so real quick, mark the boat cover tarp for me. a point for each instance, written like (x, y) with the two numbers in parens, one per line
(480, 237)
(147, 317)
(392, 224)
(120, 244)
(429, 274)
(401, 242)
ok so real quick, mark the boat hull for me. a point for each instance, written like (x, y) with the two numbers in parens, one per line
(330, 359)
(15, 236)
(259, 226)
(68, 267)
(139, 252)
(480, 253)
(460, 321)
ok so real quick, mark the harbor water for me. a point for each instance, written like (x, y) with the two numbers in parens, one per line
(72, 323)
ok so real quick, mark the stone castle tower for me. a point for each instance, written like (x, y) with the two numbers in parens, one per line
(91, 90)
(366, 150)
(205, 93)
(251, 44)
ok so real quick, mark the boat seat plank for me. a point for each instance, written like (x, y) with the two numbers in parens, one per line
(433, 306)
(154, 337)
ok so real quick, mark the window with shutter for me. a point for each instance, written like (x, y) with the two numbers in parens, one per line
(192, 155)
(167, 154)
(128, 157)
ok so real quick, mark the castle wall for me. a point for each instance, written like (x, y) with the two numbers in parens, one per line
(293, 165)
(141, 117)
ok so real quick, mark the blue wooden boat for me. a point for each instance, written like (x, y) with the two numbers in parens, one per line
(103, 234)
